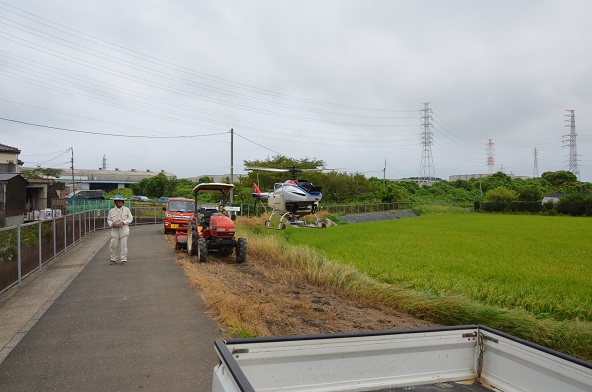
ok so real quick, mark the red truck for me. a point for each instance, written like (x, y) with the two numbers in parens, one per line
(178, 211)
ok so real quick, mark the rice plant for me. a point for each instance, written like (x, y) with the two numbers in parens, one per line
(526, 275)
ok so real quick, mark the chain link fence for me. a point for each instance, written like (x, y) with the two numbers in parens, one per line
(338, 209)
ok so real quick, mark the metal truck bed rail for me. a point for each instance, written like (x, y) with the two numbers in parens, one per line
(385, 361)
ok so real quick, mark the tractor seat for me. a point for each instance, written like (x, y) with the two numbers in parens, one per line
(206, 214)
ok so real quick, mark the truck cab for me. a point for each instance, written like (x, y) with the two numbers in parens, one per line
(178, 211)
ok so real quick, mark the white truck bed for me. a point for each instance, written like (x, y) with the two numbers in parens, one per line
(464, 358)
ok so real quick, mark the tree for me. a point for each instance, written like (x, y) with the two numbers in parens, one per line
(559, 178)
(502, 194)
(184, 188)
(411, 187)
(40, 172)
(462, 184)
(339, 187)
(575, 187)
(154, 187)
(391, 193)
(266, 179)
(494, 181)
(530, 193)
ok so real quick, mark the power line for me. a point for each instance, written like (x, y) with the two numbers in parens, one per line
(297, 139)
(188, 70)
(75, 115)
(260, 145)
(40, 155)
(112, 87)
(109, 134)
(172, 78)
(164, 87)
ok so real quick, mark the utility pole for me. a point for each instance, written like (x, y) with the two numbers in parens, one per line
(535, 171)
(570, 141)
(384, 174)
(231, 163)
(72, 167)
(426, 169)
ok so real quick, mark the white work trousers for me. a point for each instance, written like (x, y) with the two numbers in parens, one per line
(118, 246)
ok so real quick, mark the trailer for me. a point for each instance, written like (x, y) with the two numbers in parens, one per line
(462, 358)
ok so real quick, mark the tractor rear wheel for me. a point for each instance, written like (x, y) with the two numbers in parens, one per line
(192, 239)
(241, 250)
(203, 250)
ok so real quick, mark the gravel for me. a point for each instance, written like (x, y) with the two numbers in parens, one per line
(376, 216)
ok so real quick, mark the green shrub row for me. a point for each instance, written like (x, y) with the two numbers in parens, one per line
(512, 206)
(568, 206)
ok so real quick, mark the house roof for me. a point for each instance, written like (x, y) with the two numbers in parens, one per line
(5, 148)
(10, 176)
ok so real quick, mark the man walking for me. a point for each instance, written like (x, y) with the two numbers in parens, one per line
(119, 220)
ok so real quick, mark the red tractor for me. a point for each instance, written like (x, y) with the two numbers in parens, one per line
(212, 228)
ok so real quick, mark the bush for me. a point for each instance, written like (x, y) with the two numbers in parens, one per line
(419, 209)
(514, 206)
(573, 205)
(530, 193)
(501, 194)
(526, 206)
(588, 206)
(125, 192)
(496, 206)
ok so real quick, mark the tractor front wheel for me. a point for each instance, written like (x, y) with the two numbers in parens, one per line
(192, 239)
(241, 250)
(203, 250)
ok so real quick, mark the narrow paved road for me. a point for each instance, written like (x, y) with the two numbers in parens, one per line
(117, 328)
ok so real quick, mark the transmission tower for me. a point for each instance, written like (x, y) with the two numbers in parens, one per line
(570, 140)
(104, 162)
(426, 169)
(490, 156)
(535, 170)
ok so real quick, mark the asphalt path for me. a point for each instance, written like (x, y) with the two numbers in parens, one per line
(134, 327)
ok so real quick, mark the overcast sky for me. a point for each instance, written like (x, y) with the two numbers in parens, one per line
(342, 81)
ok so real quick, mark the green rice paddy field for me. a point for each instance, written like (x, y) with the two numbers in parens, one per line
(531, 267)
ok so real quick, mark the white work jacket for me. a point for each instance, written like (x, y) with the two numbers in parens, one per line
(117, 215)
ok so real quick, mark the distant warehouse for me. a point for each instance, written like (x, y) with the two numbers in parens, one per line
(106, 180)
(468, 177)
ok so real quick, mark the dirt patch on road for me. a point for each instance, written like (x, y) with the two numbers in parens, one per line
(259, 298)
